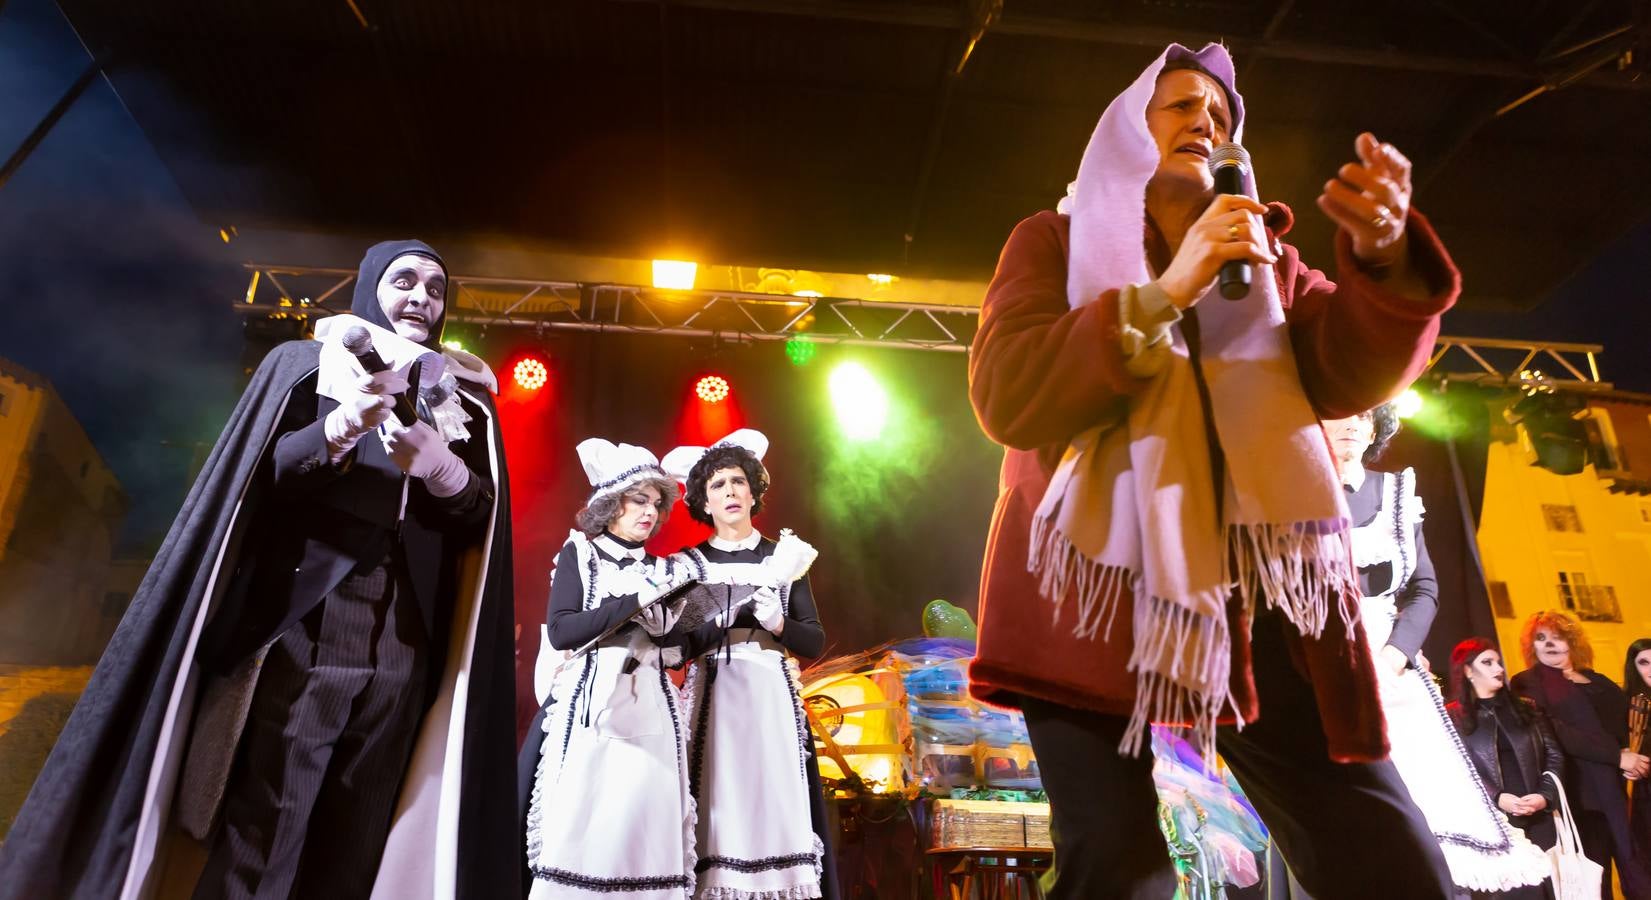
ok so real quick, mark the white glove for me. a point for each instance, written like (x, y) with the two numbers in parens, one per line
(657, 619)
(420, 452)
(360, 413)
(725, 619)
(765, 605)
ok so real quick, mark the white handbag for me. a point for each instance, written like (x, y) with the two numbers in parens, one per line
(1576, 877)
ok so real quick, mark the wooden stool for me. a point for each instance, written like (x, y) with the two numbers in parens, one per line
(988, 873)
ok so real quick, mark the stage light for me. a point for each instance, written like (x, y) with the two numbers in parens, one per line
(861, 404)
(881, 280)
(712, 389)
(1408, 403)
(812, 295)
(674, 274)
(800, 351)
(454, 345)
(531, 374)
(1550, 424)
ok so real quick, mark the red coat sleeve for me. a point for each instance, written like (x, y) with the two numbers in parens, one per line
(1041, 372)
(1356, 342)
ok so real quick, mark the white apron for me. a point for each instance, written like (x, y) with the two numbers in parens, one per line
(1483, 851)
(610, 811)
(749, 752)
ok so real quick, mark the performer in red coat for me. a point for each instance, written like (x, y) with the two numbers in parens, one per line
(1170, 537)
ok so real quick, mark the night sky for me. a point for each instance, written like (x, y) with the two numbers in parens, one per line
(119, 294)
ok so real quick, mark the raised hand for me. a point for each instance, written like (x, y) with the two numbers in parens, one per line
(1370, 199)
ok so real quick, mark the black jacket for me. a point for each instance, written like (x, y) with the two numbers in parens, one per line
(323, 521)
(1535, 746)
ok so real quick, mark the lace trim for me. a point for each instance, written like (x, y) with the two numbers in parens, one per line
(612, 885)
(766, 864)
(702, 719)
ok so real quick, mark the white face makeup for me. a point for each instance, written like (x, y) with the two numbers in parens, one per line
(412, 294)
(1552, 650)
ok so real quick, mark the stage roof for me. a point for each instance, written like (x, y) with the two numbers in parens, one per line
(844, 136)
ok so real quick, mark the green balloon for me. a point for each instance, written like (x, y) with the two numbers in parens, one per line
(943, 620)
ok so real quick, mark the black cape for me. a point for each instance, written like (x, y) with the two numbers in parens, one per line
(74, 836)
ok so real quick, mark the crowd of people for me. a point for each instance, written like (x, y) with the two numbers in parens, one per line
(312, 694)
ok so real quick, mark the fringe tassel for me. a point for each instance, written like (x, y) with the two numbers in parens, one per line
(1059, 566)
(1183, 662)
(1301, 573)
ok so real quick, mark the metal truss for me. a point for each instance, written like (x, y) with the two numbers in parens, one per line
(581, 306)
(1496, 361)
(283, 291)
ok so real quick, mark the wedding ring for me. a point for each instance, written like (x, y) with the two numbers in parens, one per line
(1232, 232)
(1380, 221)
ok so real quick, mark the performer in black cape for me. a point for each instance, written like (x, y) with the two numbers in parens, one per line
(312, 692)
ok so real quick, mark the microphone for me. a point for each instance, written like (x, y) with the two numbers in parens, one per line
(1229, 163)
(359, 343)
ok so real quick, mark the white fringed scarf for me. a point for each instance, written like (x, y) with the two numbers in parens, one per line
(1132, 507)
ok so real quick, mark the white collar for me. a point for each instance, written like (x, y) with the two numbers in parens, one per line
(1353, 476)
(749, 543)
(617, 550)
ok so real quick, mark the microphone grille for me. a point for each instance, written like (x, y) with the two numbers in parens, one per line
(1229, 154)
(357, 340)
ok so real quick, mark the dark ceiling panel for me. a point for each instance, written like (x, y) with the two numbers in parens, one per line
(821, 133)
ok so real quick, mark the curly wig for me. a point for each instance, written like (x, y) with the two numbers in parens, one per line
(601, 511)
(1384, 421)
(724, 456)
(1582, 652)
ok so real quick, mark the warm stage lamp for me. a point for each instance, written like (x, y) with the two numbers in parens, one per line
(712, 389)
(674, 274)
(531, 374)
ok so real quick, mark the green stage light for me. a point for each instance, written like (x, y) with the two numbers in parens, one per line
(800, 350)
(861, 404)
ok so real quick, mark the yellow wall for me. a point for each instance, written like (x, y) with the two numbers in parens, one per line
(1518, 548)
(22, 407)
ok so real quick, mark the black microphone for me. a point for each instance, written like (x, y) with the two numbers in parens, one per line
(359, 342)
(1229, 163)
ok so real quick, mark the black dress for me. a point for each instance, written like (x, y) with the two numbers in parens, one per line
(1591, 721)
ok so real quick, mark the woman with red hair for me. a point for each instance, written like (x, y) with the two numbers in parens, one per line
(1590, 715)
(1510, 742)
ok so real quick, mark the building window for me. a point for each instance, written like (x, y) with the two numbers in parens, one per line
(1590, 602)
(1561, 518)
(84, 468)
(5, 403)
(1602, 443)
(1501, 605)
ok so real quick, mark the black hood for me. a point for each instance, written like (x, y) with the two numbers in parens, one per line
(379, 256)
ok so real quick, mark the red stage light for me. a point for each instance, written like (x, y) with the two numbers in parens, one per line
(531, 374)
(712, 389)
